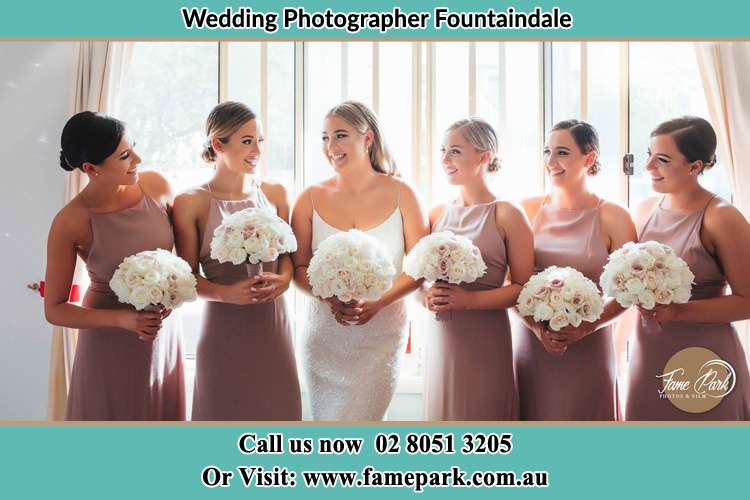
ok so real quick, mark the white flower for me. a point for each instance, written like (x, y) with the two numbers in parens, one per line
(651, 273)
(561, 296)
(447, 257)
(153, 277)
(252, 235)
(352, 266)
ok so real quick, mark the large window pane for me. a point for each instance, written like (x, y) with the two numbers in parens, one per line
(603, 83)
(664, 83)
(166, 117)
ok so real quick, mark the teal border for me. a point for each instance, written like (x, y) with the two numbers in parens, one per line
(161, 19)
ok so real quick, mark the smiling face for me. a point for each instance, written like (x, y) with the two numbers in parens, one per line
(119, 168)
(343, 145)
(669, 169)
(564, 160)
(461, 161)
(241, 151)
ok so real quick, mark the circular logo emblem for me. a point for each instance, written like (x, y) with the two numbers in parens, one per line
(696, 379)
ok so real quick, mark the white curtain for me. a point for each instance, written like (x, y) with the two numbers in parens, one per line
(97, 80)
(725, 68)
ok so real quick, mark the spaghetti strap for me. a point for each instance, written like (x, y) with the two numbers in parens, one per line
(661, 201)
(708, 203)
(312, 202)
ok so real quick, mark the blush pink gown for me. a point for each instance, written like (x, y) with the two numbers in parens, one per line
(580, 384)
(653, 343)
(245, 363)
(469, 354)
(115, 375)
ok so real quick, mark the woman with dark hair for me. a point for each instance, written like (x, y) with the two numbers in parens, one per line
(570, 374)
(128, 364)
(245, 366)
(351, 351)
(712, 237)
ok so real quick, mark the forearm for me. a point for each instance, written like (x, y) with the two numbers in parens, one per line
(610, 313)
(301, 280)
(208, 290)
(498, 298)
(286, 268)
(724, 309)
(402, 287)
(73, 316)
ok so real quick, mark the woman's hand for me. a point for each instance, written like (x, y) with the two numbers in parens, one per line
(443, 297)
(269, 287)
(553, 342)
(661, 313)
(240, 293)
(355, 312)
(573, 334)
(145, 324)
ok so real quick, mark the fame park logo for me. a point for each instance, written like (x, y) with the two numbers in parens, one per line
(696, 380)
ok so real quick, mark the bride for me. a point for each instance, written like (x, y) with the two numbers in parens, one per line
(350, 352)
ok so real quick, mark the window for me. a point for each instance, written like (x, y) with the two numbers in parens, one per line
(418, 89)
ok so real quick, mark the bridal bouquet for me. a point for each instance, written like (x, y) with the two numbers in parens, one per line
(154, 279)
(352, 266)
(560, 296)
(252, 235)
(646, 274)
(447, 257)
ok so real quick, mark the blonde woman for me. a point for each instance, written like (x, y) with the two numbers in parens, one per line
(245, 365)
(351, 352)
(469, 356)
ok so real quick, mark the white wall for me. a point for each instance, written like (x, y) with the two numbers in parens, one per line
(35, 89)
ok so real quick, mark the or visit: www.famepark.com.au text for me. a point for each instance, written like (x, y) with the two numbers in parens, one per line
(417, 480)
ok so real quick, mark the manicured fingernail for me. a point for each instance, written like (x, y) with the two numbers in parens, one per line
(252, 288)
(254, 300)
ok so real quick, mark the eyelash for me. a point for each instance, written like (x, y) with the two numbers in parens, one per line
(547, 152)
(337, 136)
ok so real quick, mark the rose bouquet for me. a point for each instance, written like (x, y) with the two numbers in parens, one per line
(560, 296)
(253, 236)
(154, 279)
(352, 266)
(445, 256)
(646, 274)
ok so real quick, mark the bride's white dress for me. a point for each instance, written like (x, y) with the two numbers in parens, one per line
(351, 371)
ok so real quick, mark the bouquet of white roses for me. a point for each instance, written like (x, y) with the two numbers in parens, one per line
(560, 296)
(445, 256)
(646, 274)
(351, 265)
(252, 235)
(154, 279)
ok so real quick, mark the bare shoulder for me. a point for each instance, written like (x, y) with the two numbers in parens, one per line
(275, 192)
(191, 201)
(72, 221)
(721, 215)
(436, 212)
(644, 208)
(531, 205)
(155, 185)
(614, 213)
(303, 203)
(507, 210)
(406, 192)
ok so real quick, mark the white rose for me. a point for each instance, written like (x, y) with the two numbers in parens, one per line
(558, 320)
(543, 312)
(647, 299)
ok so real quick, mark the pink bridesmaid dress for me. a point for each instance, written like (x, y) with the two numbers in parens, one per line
(245, 363)
(580, 384)
(468, 354)
(654, 343)
(116, 376)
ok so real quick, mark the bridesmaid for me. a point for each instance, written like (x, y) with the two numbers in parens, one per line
(128, 364)
(469, 357)
(570, 374)
(351, 351)
(245, 365)
(712, 236)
